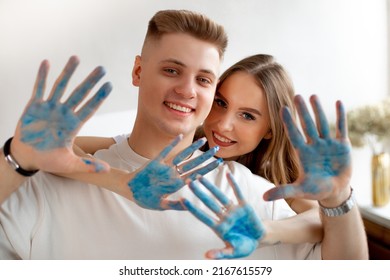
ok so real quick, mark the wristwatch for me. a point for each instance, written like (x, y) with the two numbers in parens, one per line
(344, 208)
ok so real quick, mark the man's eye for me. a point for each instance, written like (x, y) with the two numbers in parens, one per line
(171, 71)
(204, 80)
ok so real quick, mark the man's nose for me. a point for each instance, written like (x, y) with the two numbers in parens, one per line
(186, 88)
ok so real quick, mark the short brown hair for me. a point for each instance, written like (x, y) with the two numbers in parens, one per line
(187, 22)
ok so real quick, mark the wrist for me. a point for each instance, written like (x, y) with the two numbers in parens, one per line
(269, 237)
(336, 199)
(343, 208)
(15, 162)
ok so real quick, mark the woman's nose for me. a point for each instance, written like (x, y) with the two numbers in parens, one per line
(226, 122)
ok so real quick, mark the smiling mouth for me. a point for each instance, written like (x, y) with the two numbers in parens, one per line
(223, 139)
(178, 107)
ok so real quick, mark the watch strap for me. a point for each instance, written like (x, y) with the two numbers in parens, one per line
(344, 208)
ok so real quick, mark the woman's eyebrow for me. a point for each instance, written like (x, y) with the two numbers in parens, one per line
(251, 110)
(248, 109)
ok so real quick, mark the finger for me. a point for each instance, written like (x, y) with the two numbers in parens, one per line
(205, 169)
(200, 159)
(322, 122)
(93, 104)
(188, 151)
(215, 191)
(293, 132)
(218, 254)
(206, 199)
(85, 87)
(281, 192)
(342, 127)
(62, 81)
(199, 214)
(236, 188)
(307, 123)
(40, 82)
(169, 148)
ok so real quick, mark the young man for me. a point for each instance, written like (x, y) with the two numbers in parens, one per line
(54, 218)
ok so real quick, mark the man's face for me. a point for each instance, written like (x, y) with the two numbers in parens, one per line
(177, 77)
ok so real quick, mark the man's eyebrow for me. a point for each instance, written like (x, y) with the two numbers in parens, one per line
(174, 61)
(178, 62)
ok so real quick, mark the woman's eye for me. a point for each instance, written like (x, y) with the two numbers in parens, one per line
(220, 103)
(248, 116)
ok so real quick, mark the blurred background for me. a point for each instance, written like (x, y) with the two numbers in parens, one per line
(337, 49)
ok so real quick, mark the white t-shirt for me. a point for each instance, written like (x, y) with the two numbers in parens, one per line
(56, 218)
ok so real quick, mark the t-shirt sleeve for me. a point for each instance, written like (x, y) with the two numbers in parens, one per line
(119, 138)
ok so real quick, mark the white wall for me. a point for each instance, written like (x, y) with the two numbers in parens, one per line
(334, 48)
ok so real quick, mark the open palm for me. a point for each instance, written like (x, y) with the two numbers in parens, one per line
(325, 161)
(238, 226)
(47, 128)
(157, 179)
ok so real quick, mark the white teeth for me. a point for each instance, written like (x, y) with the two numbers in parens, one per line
(178, 108)
(222, 139)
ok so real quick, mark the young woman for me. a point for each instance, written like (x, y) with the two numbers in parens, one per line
(245, 123)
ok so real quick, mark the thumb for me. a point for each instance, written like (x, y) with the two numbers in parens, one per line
(218, 254)
(279, 192)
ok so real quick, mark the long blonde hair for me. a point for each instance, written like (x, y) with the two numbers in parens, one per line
(275, 158)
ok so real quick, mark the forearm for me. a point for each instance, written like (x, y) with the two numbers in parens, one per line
(305, 227)
(91, 145)
(114, 180)
(10, 180)
(344, 236)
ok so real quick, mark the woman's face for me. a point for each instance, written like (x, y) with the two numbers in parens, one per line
(239, 118)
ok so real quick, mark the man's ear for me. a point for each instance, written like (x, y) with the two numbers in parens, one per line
(136, 73)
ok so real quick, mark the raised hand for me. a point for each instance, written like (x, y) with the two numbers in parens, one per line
(154, 182)
(45, 133)
(326, 161)
(237, 225)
